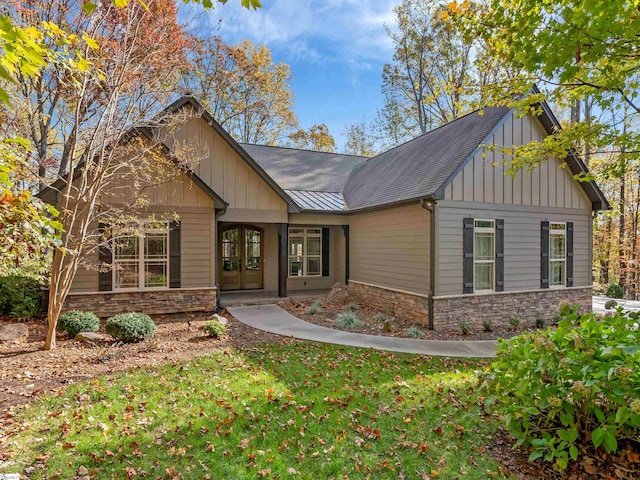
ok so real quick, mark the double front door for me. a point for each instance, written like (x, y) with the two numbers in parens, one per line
(241, 254)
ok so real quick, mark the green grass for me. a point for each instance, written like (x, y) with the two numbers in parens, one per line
(298, 410)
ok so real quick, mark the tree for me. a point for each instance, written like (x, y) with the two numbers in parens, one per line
(360, 140)
(316, 138)
(244, 90)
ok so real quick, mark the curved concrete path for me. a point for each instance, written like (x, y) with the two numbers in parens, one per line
(273, 319)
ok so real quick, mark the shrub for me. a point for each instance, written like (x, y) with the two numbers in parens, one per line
(347, 321)
(558, 390)
(314, 308)
(131, 327)
(614, 291)
(20, 296)
(412, 332)
(465, 328)
(487, 325)
(379, 318)
(539, 322)
(75, 322)
(390, 325)
(515, 322)
(214, 329)
(352, 307)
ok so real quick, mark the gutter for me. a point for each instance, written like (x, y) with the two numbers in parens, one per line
(430, 205)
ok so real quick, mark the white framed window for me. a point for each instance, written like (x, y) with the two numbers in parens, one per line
(484, 255)
(305, 252)
(141, 257)
(557, 254)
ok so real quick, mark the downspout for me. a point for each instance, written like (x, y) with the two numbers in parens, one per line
(217, 272)
(430, 205)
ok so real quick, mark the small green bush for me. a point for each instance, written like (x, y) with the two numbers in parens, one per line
(539, 322)
(20, 296)
(465, 328)
(131, 327)
(347, 321)
(315, 308)
(390, 325)
(559, 390)
(615, 291)
(352, 307)
(214, 329)
(487, 325)
(379, 318)
(515, 322)
(75, 322)
(412, 332)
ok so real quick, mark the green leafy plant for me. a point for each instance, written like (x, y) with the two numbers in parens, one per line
(20, 296)
(615, 291)
(214, 329)
(76, 322)
(487, 325)
(539, 322)
(315, 308)
(412, 332)
(379, 318)
(390, 325)
(515, 322)
(347, 321)
(352, 307)
(557, 390)
(465, 328)
(131, 327)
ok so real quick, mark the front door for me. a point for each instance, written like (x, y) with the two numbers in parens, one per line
(240, 257)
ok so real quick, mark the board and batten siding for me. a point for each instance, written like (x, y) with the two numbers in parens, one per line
(483, 179)
(521, 244)
(390, 248)
(227, 174)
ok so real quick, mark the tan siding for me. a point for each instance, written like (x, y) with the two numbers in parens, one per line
(522, 243)
(390, 248)
(220, 167)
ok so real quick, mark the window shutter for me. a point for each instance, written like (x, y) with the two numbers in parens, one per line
(105, 261)
(325, 252)
(569, 254)
(499, 255)
(544, 254)
(467, 261)
(174, 254)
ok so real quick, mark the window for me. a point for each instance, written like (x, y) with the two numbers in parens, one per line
(557, 254)
(484, 255)
(141, 258)
(305, 252)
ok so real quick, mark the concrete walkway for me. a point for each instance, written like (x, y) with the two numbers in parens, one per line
(598, 304)
(274, 319)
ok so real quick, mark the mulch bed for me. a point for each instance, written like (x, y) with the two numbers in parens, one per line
(366, 314)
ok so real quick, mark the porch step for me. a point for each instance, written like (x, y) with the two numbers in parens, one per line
(238, 299)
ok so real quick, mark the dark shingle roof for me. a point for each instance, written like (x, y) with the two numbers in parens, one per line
(421, 166)
(306, 170)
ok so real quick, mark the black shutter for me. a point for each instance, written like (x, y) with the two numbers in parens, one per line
(544, 254)
(325, 252)
(467, 261)
(174, 254)
(105, 261)
(499, 255)
(569, 254)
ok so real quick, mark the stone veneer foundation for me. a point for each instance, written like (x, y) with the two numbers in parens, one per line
(178, 300)
(451, 311)
(499, 307)
(392, 302)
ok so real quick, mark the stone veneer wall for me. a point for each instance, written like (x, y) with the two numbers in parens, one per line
(106, 304)
(392, 302)
(451, 311)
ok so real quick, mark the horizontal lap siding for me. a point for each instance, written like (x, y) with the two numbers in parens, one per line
(390, 248)
(521, 245)
(197, 264)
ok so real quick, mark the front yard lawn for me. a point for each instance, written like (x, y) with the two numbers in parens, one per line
(292, 410)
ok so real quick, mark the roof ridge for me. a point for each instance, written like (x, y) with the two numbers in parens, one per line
(303, 150)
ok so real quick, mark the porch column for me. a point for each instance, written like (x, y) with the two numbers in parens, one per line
(283, 255)
(345, 229)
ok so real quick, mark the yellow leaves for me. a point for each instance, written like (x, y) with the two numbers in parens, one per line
(91, 43)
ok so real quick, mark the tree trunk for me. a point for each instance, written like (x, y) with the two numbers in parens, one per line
(63, 271)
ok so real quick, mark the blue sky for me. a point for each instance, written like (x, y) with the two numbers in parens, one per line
(336, 49)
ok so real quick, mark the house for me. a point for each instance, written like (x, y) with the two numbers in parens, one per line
(432, 229)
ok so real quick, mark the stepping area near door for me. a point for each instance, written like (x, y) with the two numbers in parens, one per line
(273, 319)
